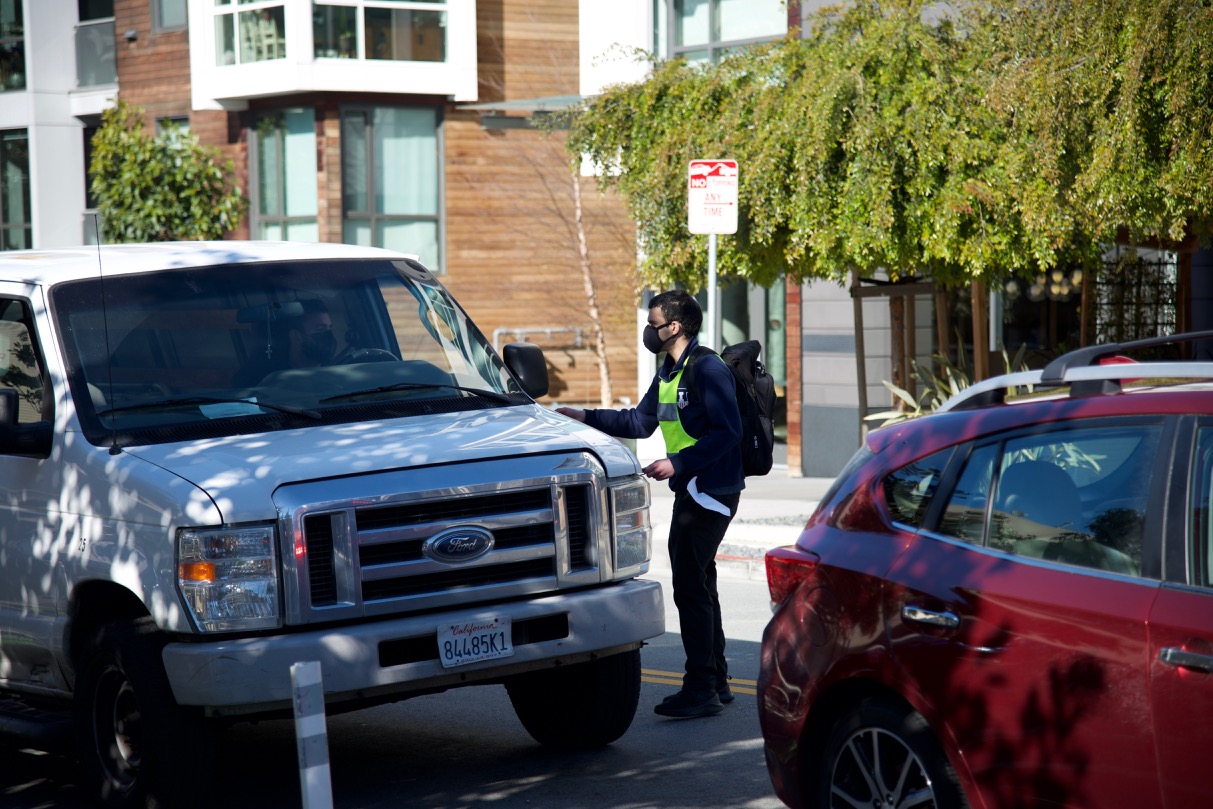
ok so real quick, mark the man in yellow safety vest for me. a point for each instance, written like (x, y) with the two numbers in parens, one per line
(702, 431)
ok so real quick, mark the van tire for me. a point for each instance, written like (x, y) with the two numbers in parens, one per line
(135, 746)
(579, 707)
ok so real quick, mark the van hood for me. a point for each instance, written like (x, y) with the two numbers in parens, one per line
(240, 473)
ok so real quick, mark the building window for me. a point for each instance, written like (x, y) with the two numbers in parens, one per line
(175, 123)
(15, 226)
(1135, 296)
(253, 32)
(391, 180)
(284, 194)
(335, 31)
(12, 46)
(96, 63)
(376, 29)
(706, 30)
(168, 15)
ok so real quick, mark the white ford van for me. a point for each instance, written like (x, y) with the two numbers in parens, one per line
(219, 459)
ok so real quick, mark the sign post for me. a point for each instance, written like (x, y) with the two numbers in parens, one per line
(712, 209)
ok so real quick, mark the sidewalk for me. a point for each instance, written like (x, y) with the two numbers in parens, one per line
(773, 510)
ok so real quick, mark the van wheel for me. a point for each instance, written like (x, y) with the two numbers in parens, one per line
(579, 707)
(880, 754)
(136, 747)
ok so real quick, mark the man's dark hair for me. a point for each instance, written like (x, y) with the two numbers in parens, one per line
(311, 306)
(675, 304)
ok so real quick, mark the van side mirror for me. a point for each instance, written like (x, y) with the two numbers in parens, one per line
(526, 363)
(33, 440)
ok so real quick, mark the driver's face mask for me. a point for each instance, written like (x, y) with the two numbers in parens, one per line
(320, 346)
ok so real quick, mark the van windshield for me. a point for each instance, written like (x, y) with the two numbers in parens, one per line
(223, 350)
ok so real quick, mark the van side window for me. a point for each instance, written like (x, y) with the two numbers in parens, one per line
(20, 363)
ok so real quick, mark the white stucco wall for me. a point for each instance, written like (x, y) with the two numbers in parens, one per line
(611, 33)
(47, 109)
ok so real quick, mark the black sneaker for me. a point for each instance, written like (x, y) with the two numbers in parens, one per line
(686, 704)
(723, 693)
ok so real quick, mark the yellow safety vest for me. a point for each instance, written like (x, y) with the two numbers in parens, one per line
(676, 438)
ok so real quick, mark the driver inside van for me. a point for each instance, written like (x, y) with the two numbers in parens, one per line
(306, 341)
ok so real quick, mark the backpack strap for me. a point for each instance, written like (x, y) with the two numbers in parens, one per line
(688, 371)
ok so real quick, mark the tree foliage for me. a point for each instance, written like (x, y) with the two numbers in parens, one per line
(969, 140)
(1111, 103)
(162, 187)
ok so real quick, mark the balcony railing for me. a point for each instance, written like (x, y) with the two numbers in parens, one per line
(95, 54)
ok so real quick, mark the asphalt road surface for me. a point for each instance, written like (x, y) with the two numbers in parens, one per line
(465, 749)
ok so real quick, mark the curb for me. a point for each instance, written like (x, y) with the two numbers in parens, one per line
(772, 512)
(742, 554)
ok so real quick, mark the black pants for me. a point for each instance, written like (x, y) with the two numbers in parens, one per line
(695, 535)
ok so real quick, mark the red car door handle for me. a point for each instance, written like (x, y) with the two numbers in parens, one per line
(918, 615)
(1188, 660)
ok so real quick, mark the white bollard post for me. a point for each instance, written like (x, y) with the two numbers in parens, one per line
(311, 739)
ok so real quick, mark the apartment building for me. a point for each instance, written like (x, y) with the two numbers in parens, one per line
(361, 121)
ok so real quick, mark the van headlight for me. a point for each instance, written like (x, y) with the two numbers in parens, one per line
(229, 576)
(633, 535)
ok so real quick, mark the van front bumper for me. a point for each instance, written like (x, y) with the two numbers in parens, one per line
(363, 662)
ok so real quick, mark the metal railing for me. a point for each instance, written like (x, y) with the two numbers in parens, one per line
(96, 52)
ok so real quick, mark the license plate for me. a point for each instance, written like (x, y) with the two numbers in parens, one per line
(474, 641)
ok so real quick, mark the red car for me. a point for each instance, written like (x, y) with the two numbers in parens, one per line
(1008, 603)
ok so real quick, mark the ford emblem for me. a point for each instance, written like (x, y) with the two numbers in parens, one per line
(462, 544)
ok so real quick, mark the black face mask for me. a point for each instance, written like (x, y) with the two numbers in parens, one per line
(320, 346)
(652, 341)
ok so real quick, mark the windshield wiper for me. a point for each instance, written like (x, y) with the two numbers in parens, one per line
(489, 394)
(167, 404)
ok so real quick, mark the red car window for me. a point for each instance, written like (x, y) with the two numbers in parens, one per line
(909, 490)
(1075, 495)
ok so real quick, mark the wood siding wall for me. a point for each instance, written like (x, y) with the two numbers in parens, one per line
(513, 258)
(154, 68)
(512, 246)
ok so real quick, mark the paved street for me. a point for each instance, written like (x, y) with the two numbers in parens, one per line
(465, 749)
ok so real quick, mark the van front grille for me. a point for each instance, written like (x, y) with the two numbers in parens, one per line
(387, 552)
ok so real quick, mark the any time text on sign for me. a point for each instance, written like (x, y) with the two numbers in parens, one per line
(712, 196)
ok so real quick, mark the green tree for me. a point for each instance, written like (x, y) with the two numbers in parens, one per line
(1111, 106)
(862, 146)
(968, 141)
(159, 188)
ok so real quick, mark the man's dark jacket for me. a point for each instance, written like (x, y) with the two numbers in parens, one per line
(709, 415)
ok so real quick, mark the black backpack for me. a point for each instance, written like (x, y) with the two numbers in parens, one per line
(756, 397)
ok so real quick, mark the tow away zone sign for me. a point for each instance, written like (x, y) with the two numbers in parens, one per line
(712, 196)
